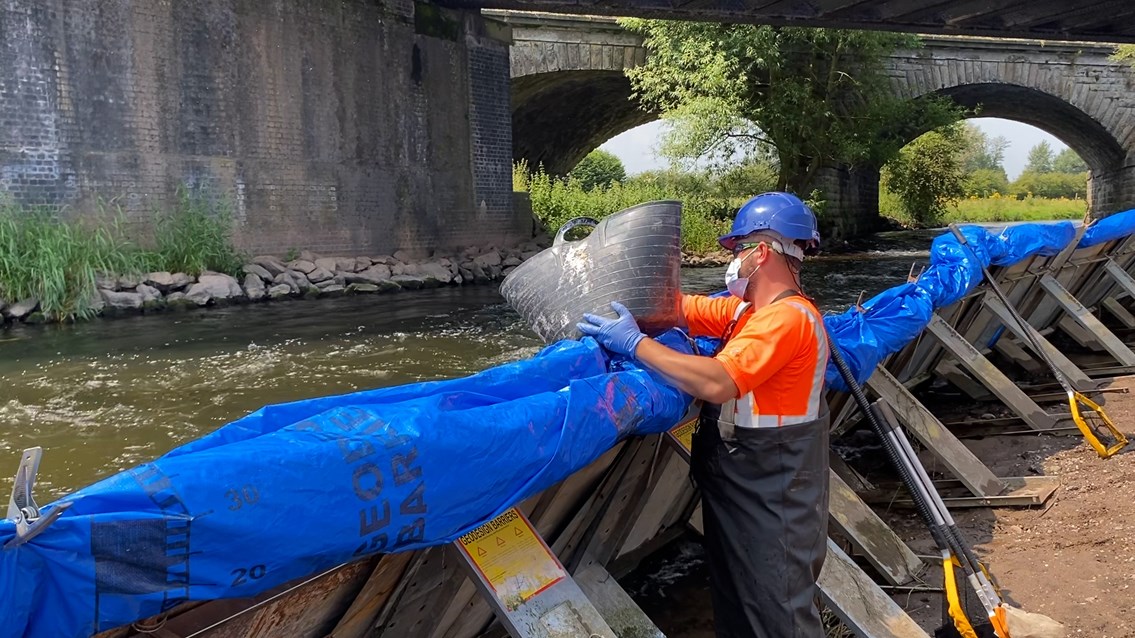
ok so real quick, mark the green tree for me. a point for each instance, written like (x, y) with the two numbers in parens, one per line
(980, 151)
(812, 97)
(1067, 161)
(983, 182)
(599, 168)
(1050, 185)
(927, 175)
(1040, 158)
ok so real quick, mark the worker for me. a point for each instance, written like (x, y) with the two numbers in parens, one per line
(760, 450)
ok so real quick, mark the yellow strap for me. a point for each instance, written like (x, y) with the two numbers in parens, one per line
(954, 603)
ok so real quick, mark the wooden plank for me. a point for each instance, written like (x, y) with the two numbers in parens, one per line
(870, 535)
(1085, 318)
(994, 379)
(360, 617)
(1079, 334)
(950, 371)
(1121, 276)
(1118, 311)
(1070, 370)
(1013, 351)
(666, 494)
(929, 431)
(613, 603)
(1024, 491)
(857, 601)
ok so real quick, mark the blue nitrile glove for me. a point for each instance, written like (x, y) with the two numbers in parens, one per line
(620, 336)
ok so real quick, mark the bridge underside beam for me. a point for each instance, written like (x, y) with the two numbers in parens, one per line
(1089, 20)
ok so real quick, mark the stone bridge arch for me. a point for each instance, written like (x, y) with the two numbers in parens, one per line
(1072, 90)
(569, 91)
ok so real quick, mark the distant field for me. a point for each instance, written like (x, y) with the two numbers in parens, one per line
(998, 209)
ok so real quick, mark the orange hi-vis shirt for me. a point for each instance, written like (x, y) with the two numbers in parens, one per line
(777, 356)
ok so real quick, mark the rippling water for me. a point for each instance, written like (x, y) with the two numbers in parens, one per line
(103, 396)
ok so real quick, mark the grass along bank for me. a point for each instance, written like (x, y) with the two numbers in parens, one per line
(995, 208)
(705, 216)
(57, 260)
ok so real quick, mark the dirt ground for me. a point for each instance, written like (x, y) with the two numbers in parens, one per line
(1071, 558)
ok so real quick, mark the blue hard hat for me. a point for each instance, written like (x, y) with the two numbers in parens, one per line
(782, 213)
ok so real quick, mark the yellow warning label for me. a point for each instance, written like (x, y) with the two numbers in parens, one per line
(684, 433)
(512, 558)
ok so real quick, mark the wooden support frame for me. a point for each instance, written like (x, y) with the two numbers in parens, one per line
(1070, 371)
(1117, 310)
(986, 487)
(1113, 344)
(989, 375)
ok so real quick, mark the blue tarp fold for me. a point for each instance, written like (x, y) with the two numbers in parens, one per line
(296, 488)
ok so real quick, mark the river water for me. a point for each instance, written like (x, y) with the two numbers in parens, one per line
(104, 396)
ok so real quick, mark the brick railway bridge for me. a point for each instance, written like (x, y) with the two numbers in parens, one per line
(570, 94)
(367, 125)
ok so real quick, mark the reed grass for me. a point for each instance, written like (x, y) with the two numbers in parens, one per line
(55, 257)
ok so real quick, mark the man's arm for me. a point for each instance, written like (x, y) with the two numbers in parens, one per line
(702, 377)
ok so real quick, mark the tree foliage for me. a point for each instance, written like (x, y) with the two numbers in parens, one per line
(984, 182)
(814, 97)
(599, 168)
(1040, 158)
(980, 151)
(927, 174)
(1051, 185)
(1067, 161)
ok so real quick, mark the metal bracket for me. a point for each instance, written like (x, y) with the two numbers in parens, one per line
(22, 508)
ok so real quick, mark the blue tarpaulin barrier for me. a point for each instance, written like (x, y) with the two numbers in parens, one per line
(896, 316)
(294, 489)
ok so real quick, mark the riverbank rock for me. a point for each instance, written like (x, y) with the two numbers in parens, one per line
(409, 282)
(487, 260)
(318, 274)
(106, 282)
(122, 300)
(254, 287)
(220, 286)
(372, 275)
(435, 271)
(279, 290)
(162, 281)
(273, 265)
(148, 293)
(302, 265)
(333, 289)
(294, 280)
(21, 309)
(259, 271)
(331, 263)
(128, 282)
(362, 288)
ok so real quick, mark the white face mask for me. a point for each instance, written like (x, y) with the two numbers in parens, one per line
(737, 285)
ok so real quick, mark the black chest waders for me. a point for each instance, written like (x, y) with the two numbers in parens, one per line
(765, 513)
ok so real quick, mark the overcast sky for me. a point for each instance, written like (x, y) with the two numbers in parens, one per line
(636, 148)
